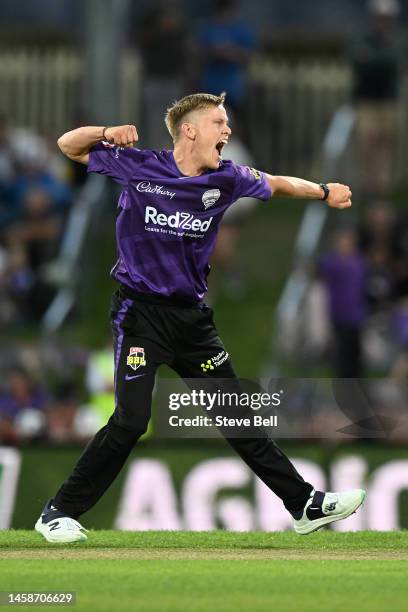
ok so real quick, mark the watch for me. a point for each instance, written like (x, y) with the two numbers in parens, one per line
(326, 191)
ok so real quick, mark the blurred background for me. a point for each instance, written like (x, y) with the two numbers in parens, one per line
(316, 89)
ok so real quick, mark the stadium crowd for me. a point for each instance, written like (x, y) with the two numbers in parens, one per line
(35, 197)
(46, 398)
(365, 276)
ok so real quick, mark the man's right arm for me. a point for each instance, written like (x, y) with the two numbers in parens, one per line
(77, 143)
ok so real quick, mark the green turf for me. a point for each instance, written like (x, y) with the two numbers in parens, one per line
(221, 540)
(215, 571)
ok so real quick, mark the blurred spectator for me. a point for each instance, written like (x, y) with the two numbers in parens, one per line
(378, 228)
(344, 273)
(32, 157)
(401, 251)
(377, 239)
(375, 61)
(400, 326)
(381, 281)
(226, 45)
(6, 158)
(163, 41)
(22, 405)
(7, 172)
(100, 384)
(61, 415)
(100, 371)
(32, 242)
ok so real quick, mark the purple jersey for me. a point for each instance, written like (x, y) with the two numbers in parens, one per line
(167, 223)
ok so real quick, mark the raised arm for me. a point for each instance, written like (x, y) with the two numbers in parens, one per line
(338, 196)
(77, 143)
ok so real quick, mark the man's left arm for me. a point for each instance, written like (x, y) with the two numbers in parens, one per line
(335, 194)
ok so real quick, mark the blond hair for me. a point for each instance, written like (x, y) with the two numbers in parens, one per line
(176, 113)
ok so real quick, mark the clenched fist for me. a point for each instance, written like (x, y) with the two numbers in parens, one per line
(339, 196)
(122, 135)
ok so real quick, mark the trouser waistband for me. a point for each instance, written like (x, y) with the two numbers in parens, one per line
(158, 299)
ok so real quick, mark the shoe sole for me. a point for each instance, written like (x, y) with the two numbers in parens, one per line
(54, 539)
(326, 520)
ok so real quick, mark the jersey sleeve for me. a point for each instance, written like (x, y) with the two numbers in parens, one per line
(250, 183)
(119, 163)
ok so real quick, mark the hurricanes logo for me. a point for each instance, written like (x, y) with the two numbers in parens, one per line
(255, 173)
(207, 366)
(136, 357)
(210, 197)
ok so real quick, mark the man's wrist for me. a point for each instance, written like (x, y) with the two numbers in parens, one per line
(325, 190)
(104, 137)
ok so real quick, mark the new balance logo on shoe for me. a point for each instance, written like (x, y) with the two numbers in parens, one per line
(54, 526)
(330, 507)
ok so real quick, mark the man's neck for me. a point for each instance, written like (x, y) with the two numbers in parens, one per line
(187, 161)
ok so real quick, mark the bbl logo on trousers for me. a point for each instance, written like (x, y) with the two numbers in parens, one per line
(136, 357)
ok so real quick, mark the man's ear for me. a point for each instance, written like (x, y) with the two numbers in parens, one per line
(189, 130)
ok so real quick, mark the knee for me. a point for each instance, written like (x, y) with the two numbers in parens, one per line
(125, 434)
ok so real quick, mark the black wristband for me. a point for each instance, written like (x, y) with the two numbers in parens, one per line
(103, 133)
(326, 191)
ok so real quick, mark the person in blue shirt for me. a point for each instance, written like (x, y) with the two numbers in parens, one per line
(226, 43)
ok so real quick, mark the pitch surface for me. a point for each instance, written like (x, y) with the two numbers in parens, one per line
(211, 571)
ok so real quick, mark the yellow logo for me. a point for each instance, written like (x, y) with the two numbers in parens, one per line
(207, 366)
(136, 357)
(255, 172)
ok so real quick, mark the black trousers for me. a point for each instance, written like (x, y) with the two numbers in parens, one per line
(148, 331)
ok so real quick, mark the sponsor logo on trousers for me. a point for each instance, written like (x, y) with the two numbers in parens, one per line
(215, 361)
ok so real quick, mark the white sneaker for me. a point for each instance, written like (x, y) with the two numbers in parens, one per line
(324, 508)
(56, 526)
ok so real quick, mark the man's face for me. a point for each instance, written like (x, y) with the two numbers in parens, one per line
(211, 132)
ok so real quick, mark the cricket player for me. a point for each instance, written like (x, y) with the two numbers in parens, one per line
(169, 212)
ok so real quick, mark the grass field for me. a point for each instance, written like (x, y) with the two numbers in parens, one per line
(214, 571)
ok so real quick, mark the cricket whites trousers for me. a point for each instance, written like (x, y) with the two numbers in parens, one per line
(150, 330)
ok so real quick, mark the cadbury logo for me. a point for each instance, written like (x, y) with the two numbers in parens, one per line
(146, 186)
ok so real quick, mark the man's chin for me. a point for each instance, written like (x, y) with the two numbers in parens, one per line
(215, 164)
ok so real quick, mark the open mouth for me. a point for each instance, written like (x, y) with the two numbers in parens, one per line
(220, 145)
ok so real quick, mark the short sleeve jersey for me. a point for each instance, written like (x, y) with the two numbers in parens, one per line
(167, 222)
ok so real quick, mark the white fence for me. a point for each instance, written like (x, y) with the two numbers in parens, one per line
(290, 107)
(42, 89)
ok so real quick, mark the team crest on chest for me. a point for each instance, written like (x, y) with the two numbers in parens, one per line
(210, 197)
(136, 357)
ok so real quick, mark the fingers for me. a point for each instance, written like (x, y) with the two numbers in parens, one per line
(135, 136)
(341, 204)
(339, 188)
(340, 196)
(122, 135)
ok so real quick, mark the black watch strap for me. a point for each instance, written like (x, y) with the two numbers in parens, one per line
(325, 189)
